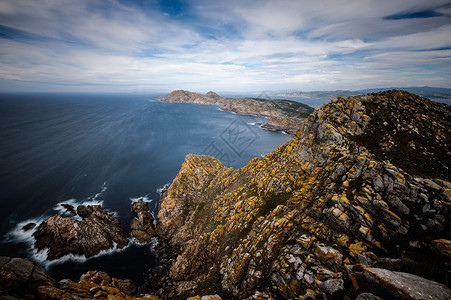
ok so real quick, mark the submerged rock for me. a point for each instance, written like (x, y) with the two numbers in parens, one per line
(98, 231)
(29, 226)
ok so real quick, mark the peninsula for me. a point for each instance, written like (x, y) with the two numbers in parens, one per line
(284, 115)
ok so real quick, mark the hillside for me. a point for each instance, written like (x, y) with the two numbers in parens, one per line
(334, 212)
(283, 115)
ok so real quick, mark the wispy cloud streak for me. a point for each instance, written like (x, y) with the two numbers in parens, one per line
(225, 45)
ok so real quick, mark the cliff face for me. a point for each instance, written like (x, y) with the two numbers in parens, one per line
(284, 114)
(325, 215)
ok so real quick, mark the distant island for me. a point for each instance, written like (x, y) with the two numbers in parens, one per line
(284, 115)
(432, 93)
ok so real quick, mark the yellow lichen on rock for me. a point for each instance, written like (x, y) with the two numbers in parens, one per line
(293, 223)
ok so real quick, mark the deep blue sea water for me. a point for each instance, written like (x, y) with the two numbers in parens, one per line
(109, 149)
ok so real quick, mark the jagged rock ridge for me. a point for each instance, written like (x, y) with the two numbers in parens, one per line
(325, 215)
(284, 115)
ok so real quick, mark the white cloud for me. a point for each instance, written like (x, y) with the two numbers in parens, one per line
(256, 44)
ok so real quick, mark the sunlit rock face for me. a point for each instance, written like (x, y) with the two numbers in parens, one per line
(362, 190)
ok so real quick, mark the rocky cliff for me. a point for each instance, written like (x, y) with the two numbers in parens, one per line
(284, 115)
(356, 205)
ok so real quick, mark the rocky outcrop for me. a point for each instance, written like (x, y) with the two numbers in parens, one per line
(304, 220)
(20, 279)
(280, 124)
(98, 230)
(285, 115)
(142, 228)
(101, 278)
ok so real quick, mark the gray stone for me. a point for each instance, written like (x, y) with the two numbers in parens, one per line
(378, 184)
(332, 286)
(405, 285)
(367, 296)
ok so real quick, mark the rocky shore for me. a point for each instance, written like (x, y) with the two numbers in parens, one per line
(356, 206)
(285, 115)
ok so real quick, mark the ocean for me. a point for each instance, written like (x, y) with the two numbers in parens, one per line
(106, 149)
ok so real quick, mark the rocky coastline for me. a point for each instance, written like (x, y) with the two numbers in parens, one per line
(89, 230)
(335, 213)
(356, 206)
(284, 115)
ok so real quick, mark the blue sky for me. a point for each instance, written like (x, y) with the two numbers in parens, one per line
(235, 46)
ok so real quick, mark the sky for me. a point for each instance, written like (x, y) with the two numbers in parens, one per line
(229, 46)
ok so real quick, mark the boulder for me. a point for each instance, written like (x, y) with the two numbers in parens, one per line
(101, 278)
(142, 228)
(19, 275)
(405, 285)
(367, 296)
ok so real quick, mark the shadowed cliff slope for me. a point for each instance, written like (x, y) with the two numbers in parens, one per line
(348, 206)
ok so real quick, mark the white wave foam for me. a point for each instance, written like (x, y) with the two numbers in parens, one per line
(40, 257)
(61, 210)
(103, 189)
(144, 198)
(153, 244)
(18, 234)
(159, 190)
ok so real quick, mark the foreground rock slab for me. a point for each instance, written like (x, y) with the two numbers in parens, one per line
(98, 230)
(405, 286)
(21, 279)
